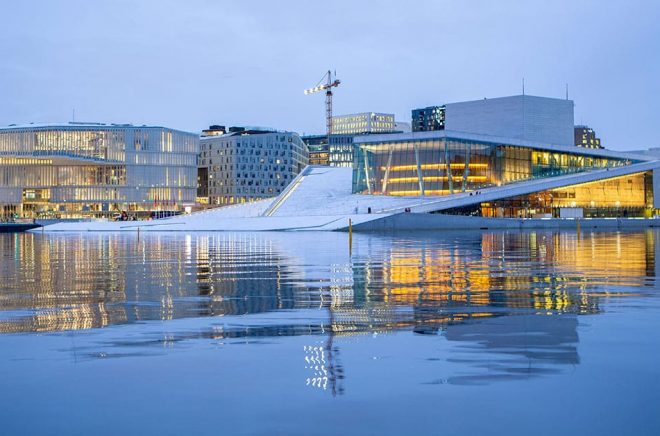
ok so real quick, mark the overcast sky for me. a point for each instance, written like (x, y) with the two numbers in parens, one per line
(188, 64)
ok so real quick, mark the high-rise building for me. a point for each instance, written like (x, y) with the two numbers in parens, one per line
(586, 137)
(73, 170)
(245, 165)
(366, 122)
(428, 119)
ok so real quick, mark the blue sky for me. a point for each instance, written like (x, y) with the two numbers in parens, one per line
(188, 64)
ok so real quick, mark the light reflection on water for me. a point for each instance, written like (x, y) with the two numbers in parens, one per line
(517, 294)
(68, 282)
(427, 310)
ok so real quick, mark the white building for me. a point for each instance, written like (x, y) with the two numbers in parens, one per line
(540, 119)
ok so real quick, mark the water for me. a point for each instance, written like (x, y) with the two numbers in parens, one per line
(287, 333)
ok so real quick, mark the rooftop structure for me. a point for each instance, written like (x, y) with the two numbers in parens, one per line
(527, 117)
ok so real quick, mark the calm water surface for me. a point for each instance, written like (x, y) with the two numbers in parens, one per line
(289, 333)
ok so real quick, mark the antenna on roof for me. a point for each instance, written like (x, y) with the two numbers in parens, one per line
(523, 85)
(567, 91)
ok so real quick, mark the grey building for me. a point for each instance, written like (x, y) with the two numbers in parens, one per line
(73, 170)
(243, 165)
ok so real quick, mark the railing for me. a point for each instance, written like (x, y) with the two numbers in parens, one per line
(287, 192)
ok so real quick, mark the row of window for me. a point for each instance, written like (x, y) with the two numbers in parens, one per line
(98, 143)
(277, 181)
(246, 190)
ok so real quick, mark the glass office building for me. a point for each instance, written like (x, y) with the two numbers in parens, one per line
(428, 119)
(245, 165)
(366, 122)
(340, 150)
(317, 145)
(586, 137)
(95, 170)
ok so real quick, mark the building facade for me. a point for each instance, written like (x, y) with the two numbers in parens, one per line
(448, 162)
(366, 122)
(526, 117)
(247, 165)
(76, 170)
(586, 137)
(428, 119)
(341, 150)
(317, 145)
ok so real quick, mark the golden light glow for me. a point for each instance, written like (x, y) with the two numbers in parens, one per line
(624, 191)
(416, 192)
(454, 166)
(437, 179)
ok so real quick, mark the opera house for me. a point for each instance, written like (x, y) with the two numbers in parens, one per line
(501, 163)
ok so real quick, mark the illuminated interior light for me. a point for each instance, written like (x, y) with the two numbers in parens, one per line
(434, 166)
(437, 179)
(417, 192)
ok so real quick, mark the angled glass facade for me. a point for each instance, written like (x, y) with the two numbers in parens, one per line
(95, 170)
(625, 196)
(446, 165)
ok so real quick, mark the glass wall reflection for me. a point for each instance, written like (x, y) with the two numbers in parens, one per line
(69, 282)
(512, 300)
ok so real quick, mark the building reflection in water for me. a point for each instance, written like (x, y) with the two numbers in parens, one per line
(511, 294)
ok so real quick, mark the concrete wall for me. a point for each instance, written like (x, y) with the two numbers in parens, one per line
(541, 119)
(423, 221)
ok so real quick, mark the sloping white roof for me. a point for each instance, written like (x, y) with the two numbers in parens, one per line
(452, 134)
(322, 201)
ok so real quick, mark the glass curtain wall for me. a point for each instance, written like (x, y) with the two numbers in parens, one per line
(624, 196)
(447, 166)
(72, 170)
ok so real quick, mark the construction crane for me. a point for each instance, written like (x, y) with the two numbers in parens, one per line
(327, 86)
